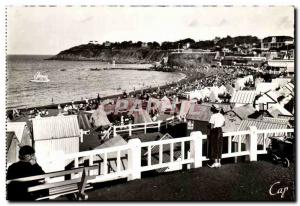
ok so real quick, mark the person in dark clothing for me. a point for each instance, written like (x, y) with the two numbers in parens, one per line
(27, 166)
(215, 139)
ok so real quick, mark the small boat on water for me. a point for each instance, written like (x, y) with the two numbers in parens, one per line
(96, 69)
(38, 77)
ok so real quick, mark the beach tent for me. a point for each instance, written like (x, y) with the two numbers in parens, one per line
(239, 83)
(109, 108)
(184, 108)
(205, 92)
(222, 89)
(196, 94)
(99, 117)
(230, 89)
(215, 90)
(108, 101)
(21, 131)
(248, 78)
(141, 116)
(165, 104)
(12, 148)
(153, 103)
(83, 120)
(124, 105)
(213, 97)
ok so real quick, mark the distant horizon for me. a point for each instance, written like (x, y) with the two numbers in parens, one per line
(142, 41)
(45, 30)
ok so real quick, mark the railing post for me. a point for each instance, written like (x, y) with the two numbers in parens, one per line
(145, 127)
(134, 159)
(196, 149)
(81, 135)
(130, 129)
(115, 132)
(158, 125)
(252, 144)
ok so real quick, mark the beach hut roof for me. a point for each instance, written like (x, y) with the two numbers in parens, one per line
(268, 97)
(12, 148)
(260, 125)
(281, 81)
(244, 111)
(287, 89)
(232, 122)
(225, 106)
(112, 156)
(199, 112)
(265, 87)
(55, 127)
(277, 120)
(273, 95)
(9, 139)
(243, 97)
(113, 142)
(278, 110)
(16, 127)
(166, 154)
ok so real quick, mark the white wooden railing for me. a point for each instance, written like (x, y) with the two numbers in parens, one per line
(127, 159)
(107, 133)
(130, 128)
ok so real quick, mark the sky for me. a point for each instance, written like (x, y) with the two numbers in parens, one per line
(49, 30)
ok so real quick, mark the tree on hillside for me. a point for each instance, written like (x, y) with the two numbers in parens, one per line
(153, 45)
(166, 45)
(139, 44)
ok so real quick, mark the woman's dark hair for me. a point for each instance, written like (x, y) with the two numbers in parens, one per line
(214, 110)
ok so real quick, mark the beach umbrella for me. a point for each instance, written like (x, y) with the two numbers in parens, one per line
(99, 117)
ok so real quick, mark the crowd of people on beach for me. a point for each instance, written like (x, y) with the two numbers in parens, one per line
(197, 78)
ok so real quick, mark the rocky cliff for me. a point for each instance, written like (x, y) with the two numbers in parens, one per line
(90, 52)
(97, 53)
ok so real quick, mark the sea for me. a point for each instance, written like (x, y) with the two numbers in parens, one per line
(73, 80)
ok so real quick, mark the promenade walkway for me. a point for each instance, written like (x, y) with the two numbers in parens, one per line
(242, 181)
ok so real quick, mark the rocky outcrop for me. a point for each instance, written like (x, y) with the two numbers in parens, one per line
(94, 52)
(90, 52)
(191, 59)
